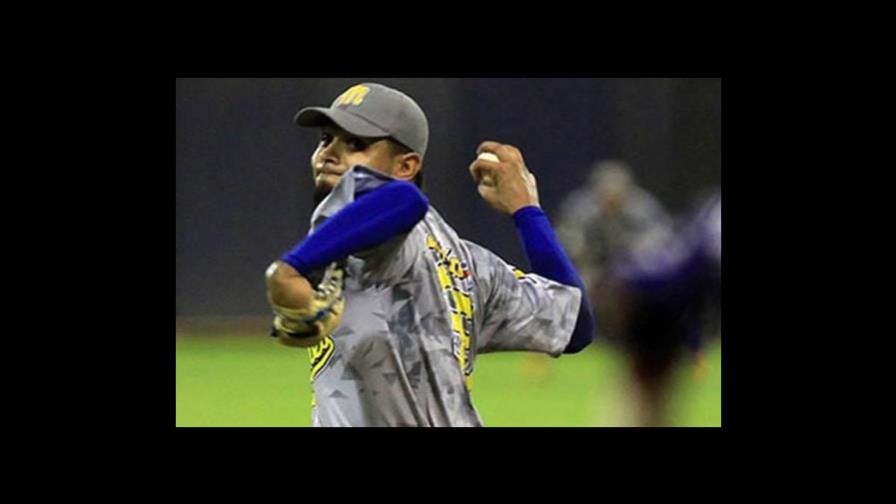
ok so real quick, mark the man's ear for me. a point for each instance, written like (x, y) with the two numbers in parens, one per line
(406, 166)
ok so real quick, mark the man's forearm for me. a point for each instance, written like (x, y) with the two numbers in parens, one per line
(372, 219)
(547, 259)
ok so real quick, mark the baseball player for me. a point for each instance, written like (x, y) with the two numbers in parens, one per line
(669, 297)
(599, 223)
(392, 305)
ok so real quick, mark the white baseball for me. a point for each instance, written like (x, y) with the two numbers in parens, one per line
(487, 179)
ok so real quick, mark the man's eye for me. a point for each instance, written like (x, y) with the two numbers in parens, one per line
(357, 144)
(325, 138)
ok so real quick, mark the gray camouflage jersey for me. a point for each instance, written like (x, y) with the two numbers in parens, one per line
(419, 308)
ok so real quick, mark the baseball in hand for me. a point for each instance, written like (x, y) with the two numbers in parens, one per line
(487, 177)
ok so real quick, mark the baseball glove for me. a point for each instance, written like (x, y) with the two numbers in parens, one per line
(307, 327)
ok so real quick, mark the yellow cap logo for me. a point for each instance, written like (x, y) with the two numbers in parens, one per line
(352, 96)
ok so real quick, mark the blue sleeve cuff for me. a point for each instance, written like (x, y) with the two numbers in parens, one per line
(527, 212)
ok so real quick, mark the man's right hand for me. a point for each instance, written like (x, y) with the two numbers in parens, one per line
(509, 185)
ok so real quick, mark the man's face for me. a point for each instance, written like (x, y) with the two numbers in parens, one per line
(611, 202)
(339, 150)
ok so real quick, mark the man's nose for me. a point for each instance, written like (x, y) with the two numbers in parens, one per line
(331, 151)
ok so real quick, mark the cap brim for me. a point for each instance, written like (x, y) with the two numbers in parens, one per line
(320, 116)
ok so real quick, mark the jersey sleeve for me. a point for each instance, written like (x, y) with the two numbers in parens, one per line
(522, 311)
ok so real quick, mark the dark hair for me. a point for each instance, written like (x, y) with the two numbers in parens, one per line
(398, 149)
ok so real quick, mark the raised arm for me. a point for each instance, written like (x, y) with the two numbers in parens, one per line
(509, 187)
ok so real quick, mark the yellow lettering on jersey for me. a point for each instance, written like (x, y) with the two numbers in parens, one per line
(319, 355)
(450, 271)
(457, 325)
(432, 244)
(353, 95)
(444, 279)
(464, 304)
(455, 267)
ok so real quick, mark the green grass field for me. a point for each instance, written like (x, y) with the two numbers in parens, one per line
(251, 381)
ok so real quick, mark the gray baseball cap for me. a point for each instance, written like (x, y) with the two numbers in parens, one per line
(373, 110)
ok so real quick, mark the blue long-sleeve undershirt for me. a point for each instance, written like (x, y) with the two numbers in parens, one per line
(373, 218)
(547, 258)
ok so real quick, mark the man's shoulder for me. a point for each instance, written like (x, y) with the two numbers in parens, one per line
(434, 221)
(481, 256)
(443, 231)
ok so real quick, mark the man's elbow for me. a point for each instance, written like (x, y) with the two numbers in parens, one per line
(274, 282)
(583, 334)
(578, 346)
(286, 287)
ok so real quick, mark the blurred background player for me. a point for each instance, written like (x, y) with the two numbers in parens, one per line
(600, 222)
(654, 283)
(667, 293)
